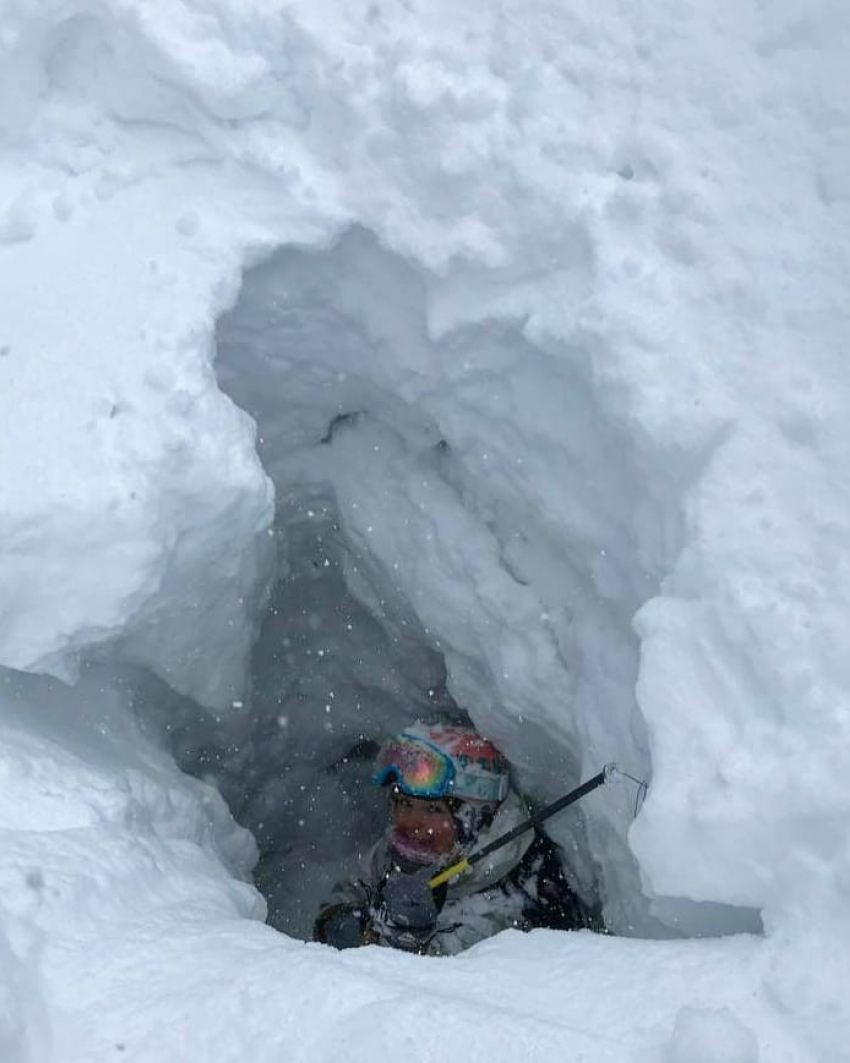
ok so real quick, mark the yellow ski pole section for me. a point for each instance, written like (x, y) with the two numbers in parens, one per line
(521, 828)
(450, 872)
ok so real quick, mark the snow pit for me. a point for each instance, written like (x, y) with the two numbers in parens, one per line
(422, 566)
(586, 386)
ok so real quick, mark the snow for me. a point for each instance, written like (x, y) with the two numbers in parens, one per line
(360, 357)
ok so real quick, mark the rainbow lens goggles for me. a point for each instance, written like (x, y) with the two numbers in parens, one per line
(419, 769)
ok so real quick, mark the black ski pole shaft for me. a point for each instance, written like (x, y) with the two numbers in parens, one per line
(521, 828)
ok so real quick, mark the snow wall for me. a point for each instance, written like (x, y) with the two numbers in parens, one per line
(539, 320)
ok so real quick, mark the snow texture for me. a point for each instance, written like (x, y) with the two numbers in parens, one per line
(703, 1035)
(492, 355)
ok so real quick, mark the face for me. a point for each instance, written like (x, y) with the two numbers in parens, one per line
(422, 827)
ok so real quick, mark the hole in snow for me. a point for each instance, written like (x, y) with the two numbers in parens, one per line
(460, 525)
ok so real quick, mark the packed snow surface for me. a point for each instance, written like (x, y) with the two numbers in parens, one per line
(361, 357)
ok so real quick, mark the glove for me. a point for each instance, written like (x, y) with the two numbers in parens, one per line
(409, 901)
(343, 928)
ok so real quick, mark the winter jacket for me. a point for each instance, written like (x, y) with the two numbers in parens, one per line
(521, 885)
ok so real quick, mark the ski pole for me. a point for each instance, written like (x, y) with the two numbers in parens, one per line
(574, 795)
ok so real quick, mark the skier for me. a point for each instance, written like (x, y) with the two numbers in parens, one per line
(450, 794)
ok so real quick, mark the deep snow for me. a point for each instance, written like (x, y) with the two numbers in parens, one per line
(530, 321)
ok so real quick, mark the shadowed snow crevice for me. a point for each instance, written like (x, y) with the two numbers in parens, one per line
(460, 526)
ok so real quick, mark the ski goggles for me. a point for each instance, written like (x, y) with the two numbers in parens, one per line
(419, 769)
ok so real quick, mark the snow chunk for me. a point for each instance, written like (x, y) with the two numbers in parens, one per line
(709, 1035)
(18, 221)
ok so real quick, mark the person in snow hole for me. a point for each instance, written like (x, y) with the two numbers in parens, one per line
(449, 795)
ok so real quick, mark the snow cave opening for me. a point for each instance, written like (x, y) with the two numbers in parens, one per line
(460, 527)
